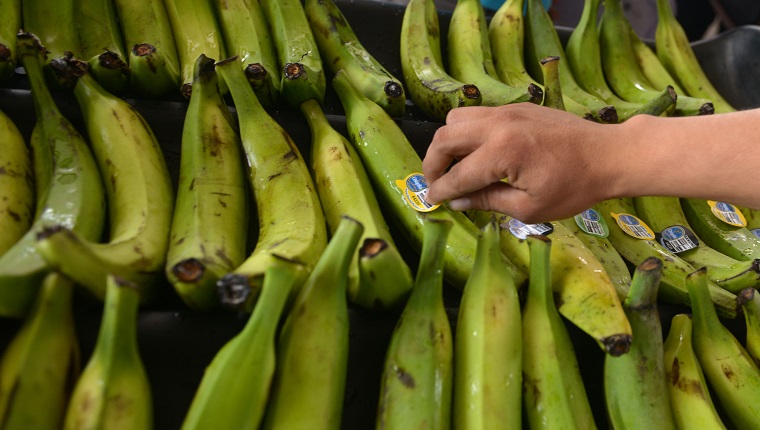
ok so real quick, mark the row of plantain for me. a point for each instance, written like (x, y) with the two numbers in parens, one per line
(198, 240)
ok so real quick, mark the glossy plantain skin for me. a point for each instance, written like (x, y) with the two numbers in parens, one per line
(291, 222)
(432, 89)
(68, 186)
(343, 50)
(209, 227)
(150, 48)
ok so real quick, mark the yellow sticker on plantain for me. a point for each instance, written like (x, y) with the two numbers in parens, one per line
(414, 188)
(727, 213)
(633, 226)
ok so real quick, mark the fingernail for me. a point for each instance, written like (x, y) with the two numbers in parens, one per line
(460, 204)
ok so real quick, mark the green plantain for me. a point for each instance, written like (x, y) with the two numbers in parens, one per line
(208, 231)
(432, 90)
(291, 221)
(68, 186)
(378, 277)
(416, 383)
(338, 43)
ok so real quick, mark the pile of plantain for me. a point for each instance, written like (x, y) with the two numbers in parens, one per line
(293, 240)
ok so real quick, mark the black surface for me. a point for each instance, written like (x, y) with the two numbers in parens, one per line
(177, 343)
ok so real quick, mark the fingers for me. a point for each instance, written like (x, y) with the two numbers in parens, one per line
(503, 198)
(450, 142)
(477, 170)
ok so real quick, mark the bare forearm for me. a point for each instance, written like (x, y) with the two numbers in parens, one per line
(714, 157)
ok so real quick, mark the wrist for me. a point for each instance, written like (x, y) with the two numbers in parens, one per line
(629, 159)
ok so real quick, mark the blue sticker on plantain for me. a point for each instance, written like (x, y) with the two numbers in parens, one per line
(727, 213)
(633, 226)
(677, 238)
(414, 188)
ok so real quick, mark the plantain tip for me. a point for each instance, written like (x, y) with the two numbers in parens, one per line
(48, 231)
(255, 72)
(372, 246)
(536, 93)
(617, 344)
(471, 91)
(393, 89)
(744, 296)
(143, 49)
(112, 61)
(189, 270)
(294, 70)
(233, 289)
(608, 114)
(707, 109)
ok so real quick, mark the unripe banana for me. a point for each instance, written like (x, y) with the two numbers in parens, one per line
(234, 390)
(636, 249)
(239, 21)
(650, 65)
(40, 361)
(301, 72)
(339, 45)
(553, 392)
(622, 71)
(750, 302)
(308, 394)
(689, 395)
(488, 344)
(101, 44)
(73, 197)
(666, 218)
(378, 277)
(290, 217)
(433, 90)
(585, 294)
(389, 159)
(152, 53)
(10, 23)
(54, 23)
(469, 53)
(584, 59)
(729, 369)
(196, 31)
(552, 83)
(208, 230)
(541, 41)
(416, 385)
(506, 36)
(635, 390)
(730, 239)
(602, 248)
(139, 194)
(676, 54)
(17, 195)
(113, 391)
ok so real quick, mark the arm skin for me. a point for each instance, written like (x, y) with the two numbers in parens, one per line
(558, 164)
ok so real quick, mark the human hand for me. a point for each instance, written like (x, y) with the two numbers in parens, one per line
(555, 164)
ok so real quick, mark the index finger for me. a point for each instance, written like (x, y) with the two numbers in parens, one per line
(450, 142)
